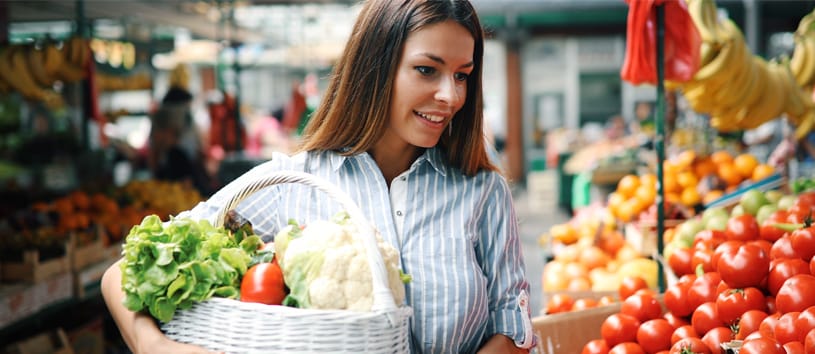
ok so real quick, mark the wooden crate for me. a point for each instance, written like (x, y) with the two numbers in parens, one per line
(33, 268)
(568, 332)
(53, 342)
(88, 254)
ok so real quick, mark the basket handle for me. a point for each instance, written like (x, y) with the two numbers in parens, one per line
(382, 297)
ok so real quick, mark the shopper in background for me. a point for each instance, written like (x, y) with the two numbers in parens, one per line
(400, 129)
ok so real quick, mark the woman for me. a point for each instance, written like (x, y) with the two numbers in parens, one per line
(400, 130)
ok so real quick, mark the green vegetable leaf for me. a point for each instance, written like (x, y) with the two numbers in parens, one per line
(163, 310)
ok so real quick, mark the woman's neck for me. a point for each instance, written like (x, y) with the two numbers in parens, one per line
(393, 161)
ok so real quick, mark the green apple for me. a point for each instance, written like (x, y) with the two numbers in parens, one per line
(687, 231)
(737, 210)
(786, 202)
(764, 212)
(717, 222)
(773, 195)
(714, 212)
(751, 200)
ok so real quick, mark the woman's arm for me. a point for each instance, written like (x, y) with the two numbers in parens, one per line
(499, 249)
(501, 344)
(139, 330)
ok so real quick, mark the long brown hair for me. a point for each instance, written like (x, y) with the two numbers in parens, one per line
(354, 111)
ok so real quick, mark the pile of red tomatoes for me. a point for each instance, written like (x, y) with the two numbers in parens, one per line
(752, 288)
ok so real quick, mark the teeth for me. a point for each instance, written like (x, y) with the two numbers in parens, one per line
(431, 118)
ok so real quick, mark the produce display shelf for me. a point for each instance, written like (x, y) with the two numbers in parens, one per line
(774, 181)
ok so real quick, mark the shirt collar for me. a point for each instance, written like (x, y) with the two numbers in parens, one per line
(433, 155)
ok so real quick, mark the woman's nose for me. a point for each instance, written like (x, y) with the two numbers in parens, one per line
(449, 91)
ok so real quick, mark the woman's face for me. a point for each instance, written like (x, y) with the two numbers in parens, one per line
(430, 84)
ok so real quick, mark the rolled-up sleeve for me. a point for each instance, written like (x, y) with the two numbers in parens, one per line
(503, 265)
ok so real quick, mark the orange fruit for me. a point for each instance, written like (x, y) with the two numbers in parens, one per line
(687, 179)
(728, 173)
(646, 195)
(690, 196)
(628, 185)
(671, 184)
(721, 156)
(745, 164)
(762, 171)
(704, 167)
(712, 195)
(648, 179)
(685, 159)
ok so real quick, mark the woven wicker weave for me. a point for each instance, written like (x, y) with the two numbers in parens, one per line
(241, 327)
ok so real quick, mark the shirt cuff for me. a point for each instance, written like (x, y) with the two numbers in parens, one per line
(515, 324)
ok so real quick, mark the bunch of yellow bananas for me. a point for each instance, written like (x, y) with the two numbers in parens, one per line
(740, 90)
(32, 70)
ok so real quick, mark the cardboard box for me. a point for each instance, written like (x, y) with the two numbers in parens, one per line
(54, 342)
(568, 332)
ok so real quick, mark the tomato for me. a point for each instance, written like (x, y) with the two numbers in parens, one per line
(690, 344)
(742, 228)
(680, 261)
(685, 331)
(642, 306)
(724, 248)
(796, 294)
(809, 341)
(629, 285)
(762, 345)
(677, 300)
(782, 248)
(704, 289)
(794, 348)
(626, 348)
(655, 335)
(584, 303)
(749, 323)
(764, 244)
(675, 320)
(746, 267)
(263, 283)
(786, 330)
(559, 302)
(783, 269)
(767, 326)
(715, 237)
(806, 198)
(596, 346)
(805, 322)
(715, 337)
(769, 232)
(619, 328)
(704, 258)
(803, 242)
(770, 301)
(732, 303)
(705, 318)
(812, 266)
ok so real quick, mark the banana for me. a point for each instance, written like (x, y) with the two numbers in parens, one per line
(721, 69)
(756, 94)
(36, 66)
(806, 24)
(732, 99)
(771, 105)
(69, 71)
(53, 59)
(805, 65)
(806, 125)
(21, 80)
(696, 10)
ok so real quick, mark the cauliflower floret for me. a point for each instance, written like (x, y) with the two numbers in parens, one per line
(326, 267)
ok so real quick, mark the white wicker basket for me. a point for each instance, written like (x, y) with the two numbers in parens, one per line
(241, 327)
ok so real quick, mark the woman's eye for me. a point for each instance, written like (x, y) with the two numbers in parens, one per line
(462, 76)
(425, 70)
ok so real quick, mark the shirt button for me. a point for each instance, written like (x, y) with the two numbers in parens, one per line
(403, 178)
(399, 213)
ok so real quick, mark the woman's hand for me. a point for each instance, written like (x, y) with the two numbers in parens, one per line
(501, 344)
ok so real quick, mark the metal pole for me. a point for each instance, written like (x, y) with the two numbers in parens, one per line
(659, 142)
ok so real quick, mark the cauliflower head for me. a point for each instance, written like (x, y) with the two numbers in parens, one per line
(325, 265)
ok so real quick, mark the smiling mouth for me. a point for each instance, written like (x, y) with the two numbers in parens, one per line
(430, 117)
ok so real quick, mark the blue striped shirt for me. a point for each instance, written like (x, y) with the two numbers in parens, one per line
(457, 237)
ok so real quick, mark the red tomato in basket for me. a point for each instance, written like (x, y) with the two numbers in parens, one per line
(263, 283)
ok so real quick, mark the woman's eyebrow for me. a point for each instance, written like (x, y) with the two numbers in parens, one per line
(441, 61)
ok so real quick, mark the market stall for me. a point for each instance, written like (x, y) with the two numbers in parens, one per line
(714, 229)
